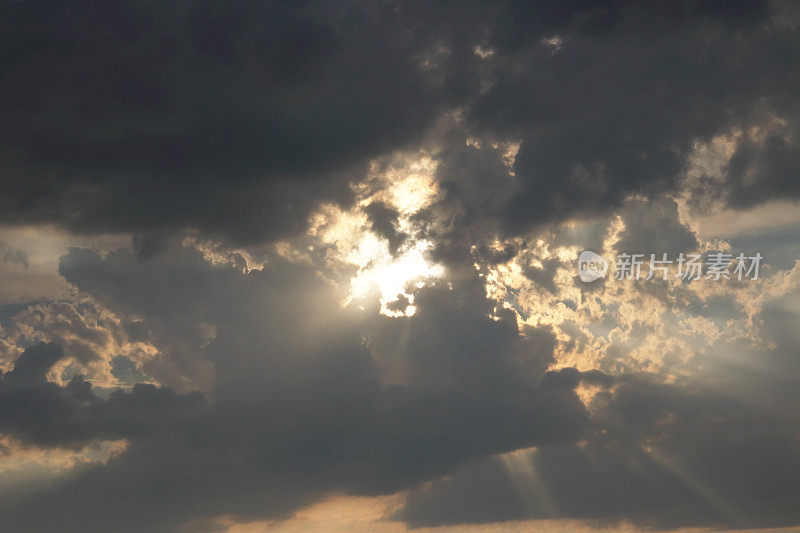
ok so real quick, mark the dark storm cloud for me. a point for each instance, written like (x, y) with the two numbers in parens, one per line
(654, 226)
(614, 112)
(299, 411)
(610, 98)
(662, 456)
(237, 117)
(43, 413)
(764, 170)
(298, 405)
(234, 117)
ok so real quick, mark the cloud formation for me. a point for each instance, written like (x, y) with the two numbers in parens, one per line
(297, 400)
(262, 254)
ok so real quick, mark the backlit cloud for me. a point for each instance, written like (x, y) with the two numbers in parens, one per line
(274, 266)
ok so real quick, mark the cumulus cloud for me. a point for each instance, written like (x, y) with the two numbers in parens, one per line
(302, 250)
(299, 399)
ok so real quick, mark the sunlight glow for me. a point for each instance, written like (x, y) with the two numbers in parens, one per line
(520, 466)
(392, 275)
(406, 186)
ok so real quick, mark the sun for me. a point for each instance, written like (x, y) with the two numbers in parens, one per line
(393, 275)
(407, 187)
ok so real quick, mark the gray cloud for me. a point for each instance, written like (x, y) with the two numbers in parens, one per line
(383, 220)
(300, 406)
(661, 457)
(137, 118)
(235, 120)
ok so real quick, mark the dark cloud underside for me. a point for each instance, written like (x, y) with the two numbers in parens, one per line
(196, 128)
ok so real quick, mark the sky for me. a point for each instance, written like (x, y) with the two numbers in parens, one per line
(315, 266)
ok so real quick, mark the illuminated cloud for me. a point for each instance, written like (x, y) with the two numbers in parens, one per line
(313, 267)
(354, 239)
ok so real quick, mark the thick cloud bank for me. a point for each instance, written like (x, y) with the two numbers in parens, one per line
(261, 254)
